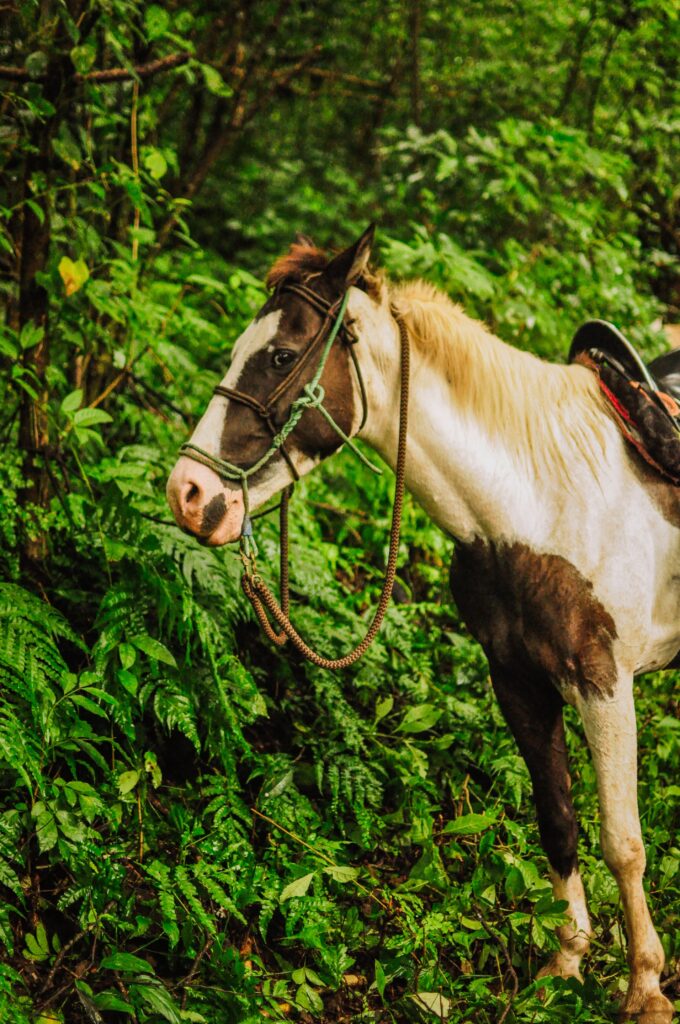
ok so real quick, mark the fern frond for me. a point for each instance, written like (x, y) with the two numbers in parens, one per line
(174, 708)
(204, 872)
(190, 893)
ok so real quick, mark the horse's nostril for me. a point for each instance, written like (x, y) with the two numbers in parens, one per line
(192, 492)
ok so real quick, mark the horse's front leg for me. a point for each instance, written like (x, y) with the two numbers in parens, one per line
(532, 708)
(612, 736)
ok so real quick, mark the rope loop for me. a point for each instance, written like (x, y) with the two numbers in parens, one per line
(313, 395)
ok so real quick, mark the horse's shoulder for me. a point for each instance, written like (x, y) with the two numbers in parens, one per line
(535, 610)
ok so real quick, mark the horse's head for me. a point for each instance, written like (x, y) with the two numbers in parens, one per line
(263, 428)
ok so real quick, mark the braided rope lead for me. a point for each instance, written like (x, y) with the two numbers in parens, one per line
(262, 598)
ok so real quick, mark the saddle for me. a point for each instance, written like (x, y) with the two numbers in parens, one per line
(644, 398)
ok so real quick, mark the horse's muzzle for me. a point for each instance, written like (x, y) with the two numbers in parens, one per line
(202, 505)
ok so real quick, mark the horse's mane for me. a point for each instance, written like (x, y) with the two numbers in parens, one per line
(304, 259)
(542, 410)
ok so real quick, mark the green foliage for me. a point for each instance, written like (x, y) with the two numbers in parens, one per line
(194, 826)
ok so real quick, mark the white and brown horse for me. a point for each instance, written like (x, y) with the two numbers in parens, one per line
(567, 554)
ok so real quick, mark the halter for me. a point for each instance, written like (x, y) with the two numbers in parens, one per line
(311, 397)
(263, 601)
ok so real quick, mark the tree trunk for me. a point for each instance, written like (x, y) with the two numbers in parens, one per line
(33, 305)
(415, 19)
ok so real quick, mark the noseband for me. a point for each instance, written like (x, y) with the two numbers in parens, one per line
(311, 397)
(264, 603)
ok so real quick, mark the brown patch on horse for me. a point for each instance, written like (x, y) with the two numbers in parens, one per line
(297, 264)
(213, 513)
(535, 612)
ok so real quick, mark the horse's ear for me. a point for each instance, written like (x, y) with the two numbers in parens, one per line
(346, 268)
(304, 240)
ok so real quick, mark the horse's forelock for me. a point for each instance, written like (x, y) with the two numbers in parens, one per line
(297, 264)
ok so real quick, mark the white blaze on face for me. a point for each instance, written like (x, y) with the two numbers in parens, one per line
(258, 335)
(195, 491)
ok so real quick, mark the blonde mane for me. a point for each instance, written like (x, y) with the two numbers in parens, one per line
(545, 412)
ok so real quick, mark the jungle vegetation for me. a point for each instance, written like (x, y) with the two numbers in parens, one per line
(194, 826)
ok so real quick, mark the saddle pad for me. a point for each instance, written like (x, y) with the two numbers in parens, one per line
(649, 420)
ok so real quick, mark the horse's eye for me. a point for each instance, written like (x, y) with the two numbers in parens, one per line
(282, 357)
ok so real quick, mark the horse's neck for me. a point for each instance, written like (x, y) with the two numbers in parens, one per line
(473, 480)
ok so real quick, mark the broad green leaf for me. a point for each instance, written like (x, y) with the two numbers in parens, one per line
(155, 162)
(31, 335)
(127, 782)
(514, 883)
(380, 979)
(340, 873)
(128, 680)
(127, 655)
(420, 718)
(89, 705)
(72, 401)
(152, 769)
(109, 1000)
(126, 962)
(159, 1000)
(46, 831)
(71, 826)
(297, 888)
(37, 209)
(383, 707)
(469, 824)
(36, 63)
(83, 57)
(156, 21)
(154, 649)
(309, 999)
(434, 1002)
(67, 149)
(214, 82)
(89, 417)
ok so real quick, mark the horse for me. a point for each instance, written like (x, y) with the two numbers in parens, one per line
(569, 592)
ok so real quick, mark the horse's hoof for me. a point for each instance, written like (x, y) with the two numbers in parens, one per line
(656, 1010)
(560, 966)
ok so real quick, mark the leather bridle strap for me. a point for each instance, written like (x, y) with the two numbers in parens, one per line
(327, 310)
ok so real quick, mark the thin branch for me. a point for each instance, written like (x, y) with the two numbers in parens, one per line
(186, 981)
(370, 893)
(68, 947)
(173, 60)
(342, 76)
(220, 137)
(497, 937)
(135, 167)
(671, 980)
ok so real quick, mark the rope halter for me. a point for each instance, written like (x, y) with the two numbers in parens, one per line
(312, 396)
(267, 609)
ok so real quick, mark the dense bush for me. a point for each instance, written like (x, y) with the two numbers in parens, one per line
(194, 826)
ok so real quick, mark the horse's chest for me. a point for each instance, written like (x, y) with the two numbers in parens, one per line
(532, 611)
